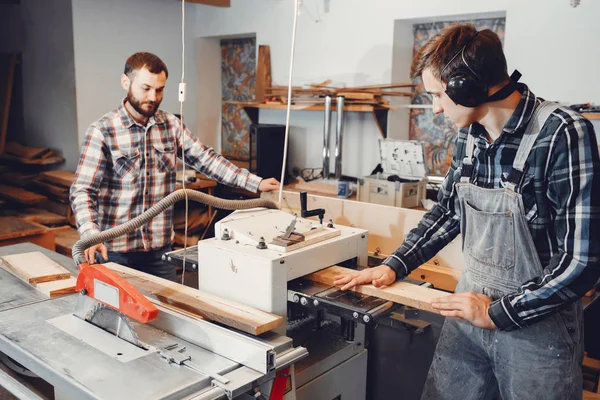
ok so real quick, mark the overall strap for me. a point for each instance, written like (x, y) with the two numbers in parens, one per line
(536, 123)
(467, 165)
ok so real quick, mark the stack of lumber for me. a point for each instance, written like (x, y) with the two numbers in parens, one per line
(41, 199)
(198, 220)
(314, 93)
(38, 270)
(16, 153)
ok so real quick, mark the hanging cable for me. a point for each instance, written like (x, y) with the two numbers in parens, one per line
(289, 101)
(182, 135)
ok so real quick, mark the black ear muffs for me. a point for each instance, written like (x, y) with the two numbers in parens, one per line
(464, 86)
(466, 90)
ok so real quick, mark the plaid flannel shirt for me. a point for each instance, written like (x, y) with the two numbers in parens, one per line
(125, 168)
(561, 196)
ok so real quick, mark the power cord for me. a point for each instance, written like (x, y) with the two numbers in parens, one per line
(289, 101)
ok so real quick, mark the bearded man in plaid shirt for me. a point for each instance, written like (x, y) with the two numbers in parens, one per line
(128, 164)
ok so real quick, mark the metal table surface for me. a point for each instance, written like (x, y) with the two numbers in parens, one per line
(78, 370)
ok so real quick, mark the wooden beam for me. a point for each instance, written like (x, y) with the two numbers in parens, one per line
(399, 292)
(205, 305)
(21, 196)
(34, 267)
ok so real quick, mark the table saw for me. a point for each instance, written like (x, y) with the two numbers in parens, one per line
(180, 357)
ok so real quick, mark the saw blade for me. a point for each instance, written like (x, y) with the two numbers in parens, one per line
(113, 322)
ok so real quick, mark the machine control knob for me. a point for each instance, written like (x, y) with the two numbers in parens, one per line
(261, 244)
(355, 315)
(296, 298)
(367, 319)
(303, 301)
(225, 235)
(315, 302)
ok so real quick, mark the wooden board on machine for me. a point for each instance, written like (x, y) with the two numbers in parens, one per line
(205, 305)
(37, 269)
(34, 267)
(398, 292)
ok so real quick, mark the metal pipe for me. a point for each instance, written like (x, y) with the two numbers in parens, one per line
(339, 136)
(326, 136)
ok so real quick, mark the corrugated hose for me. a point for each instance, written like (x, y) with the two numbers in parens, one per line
(79, 247)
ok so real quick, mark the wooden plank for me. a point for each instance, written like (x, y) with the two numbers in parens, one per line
(20, 195)
(53, 160)
(357, 95)
(7, 75)
(34, 267)
(65, 240)
(387, 225)
(19, 179)
(440, 277)
(216, 3)
(263, 72)
(57, 288)
(43, 217)
(398, 292)
(13, 227)
(60, 192)
(587, 395)
(26, 152)
(206, 305)
(591, 364)
(59, 177)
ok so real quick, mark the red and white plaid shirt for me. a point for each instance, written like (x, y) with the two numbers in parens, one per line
(125, 168)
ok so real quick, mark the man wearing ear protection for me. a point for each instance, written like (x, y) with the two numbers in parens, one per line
(524, 192)
(128, 163)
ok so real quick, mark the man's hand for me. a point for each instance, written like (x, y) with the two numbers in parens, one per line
(469, 306)
(268, 185)
(378, 276)
(90, 254)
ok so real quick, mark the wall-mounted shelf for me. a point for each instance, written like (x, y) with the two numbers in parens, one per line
(592, 116)
(380, 114)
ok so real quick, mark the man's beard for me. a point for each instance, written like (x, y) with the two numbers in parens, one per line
(137, 106)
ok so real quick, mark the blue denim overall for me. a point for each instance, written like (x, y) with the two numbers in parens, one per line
(541, 361)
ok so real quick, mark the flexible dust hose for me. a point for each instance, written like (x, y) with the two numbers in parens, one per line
(130, 226)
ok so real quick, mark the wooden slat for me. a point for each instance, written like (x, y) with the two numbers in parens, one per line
(57, 288)
(206, 305)
(59, 177)
(20, 195)
(19, 179)
(263, 72)
(34, 267)
(399, 292)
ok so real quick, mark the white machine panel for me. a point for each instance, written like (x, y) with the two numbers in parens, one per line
(236, 269)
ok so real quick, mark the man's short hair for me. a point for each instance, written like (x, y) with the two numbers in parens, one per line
(149, 61)
(483, 53)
